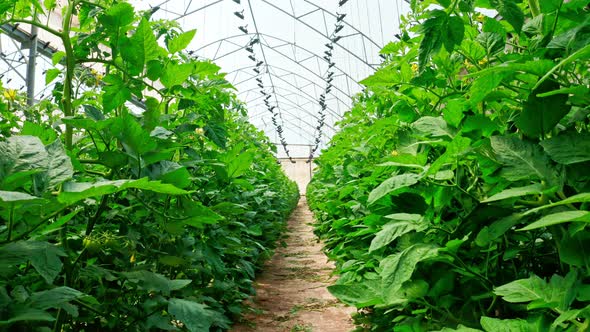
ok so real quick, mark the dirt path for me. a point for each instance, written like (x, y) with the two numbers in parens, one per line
(291, 291)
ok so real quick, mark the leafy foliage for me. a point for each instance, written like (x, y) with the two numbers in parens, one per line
(455, 197)
(116, 218)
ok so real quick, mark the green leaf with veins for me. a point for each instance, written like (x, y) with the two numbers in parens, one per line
(398, 268)
(540, 115)
(510, 11)
(568, 148)
(181, 41)
(195, 316)
(402, 223)
(176, 74)
(559, 218)
(522, 160)
(140, 48)
(533, 189)
(116, 92)
(76, 191)
(392, 186)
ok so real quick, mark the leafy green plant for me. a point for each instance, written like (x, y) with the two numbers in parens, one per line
(456, 195)
(118, 218)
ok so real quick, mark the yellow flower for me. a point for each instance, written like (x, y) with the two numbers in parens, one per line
(10, 94)
(132, 258)
(414, 67)
(483, 61)
(93, 71)
(394, 153)
(199, 131)
(467, 64)
(480, 17)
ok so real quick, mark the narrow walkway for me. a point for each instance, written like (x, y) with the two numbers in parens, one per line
(291, 291)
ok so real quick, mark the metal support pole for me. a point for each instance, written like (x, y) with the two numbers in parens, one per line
(31, 66)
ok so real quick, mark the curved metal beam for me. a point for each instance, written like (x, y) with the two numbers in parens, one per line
(283, 80)
(343, 21)
(320, 57)
(319, 32)
(288, 102)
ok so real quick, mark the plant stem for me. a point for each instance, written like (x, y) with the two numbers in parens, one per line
(101, 207)
(70, 65)
(37, 24)
(10, 223)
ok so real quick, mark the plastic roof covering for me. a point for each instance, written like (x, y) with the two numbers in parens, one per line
(292, 38)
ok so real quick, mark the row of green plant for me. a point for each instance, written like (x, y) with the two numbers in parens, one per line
(456, 196)
(122, 218)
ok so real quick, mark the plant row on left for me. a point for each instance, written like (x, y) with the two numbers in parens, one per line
(115, 217)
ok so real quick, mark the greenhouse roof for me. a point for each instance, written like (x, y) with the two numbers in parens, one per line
(299, 59)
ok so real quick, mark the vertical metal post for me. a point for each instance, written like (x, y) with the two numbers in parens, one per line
(31, 66)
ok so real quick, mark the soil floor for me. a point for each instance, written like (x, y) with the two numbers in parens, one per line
(291, 289)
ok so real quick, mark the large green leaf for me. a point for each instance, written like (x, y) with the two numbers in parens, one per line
(496, 230)
(116, 17)
(181, 41)
(22, 153)
(15, 197)
(238, 161)
(43, 256)
(558, 218)
(47, 135)
(533, 189)
(483, 85)
(53, 298)
(506, 325)
(171, 172)
(510, 11)
(176, 74)
(75, 191)
(392, 186)
(28, 315)
(432, 127)
(555, 294)
(440, 29)
(403, 223)
(116, 92)
(140, 48)
(154, 282)
(193, 315)
(573, 249)
(433, 29)
(134, 138)
(579, 198)
(60, 166)
(540, 115)
(568, 148)
(358, 294)
(523, 290)
(197, 215)
(398, 268)
(522, 160)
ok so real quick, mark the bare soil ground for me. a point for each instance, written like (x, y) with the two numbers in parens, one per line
(291, 290)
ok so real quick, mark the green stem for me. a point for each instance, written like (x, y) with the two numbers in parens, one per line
(101, 207)
(37, 24)
(534, 6)
(70, 65)
(10, 222)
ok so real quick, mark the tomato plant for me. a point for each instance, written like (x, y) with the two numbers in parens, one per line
(456, 195)
(115, 217)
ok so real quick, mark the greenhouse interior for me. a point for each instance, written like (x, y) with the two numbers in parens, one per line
(295, 165)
